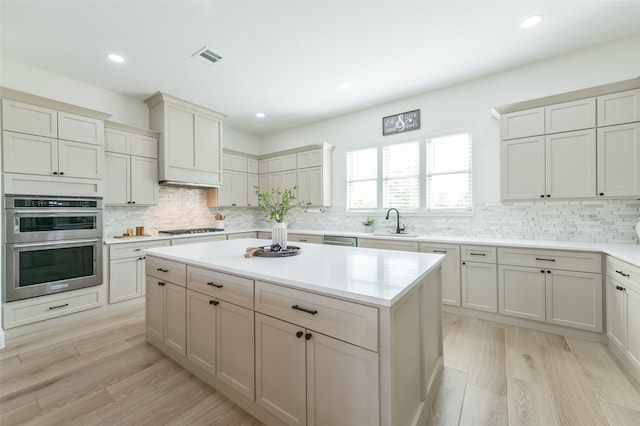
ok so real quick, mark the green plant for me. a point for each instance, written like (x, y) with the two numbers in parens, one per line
(368, 222)
(276, 203)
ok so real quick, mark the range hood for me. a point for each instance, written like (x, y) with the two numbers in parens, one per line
(187, 184)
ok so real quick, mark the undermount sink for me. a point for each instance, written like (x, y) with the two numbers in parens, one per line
(393, 234)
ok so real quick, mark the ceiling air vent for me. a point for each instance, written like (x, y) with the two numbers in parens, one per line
(206, 56)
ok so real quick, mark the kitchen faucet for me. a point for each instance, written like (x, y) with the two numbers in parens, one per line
(398, 229)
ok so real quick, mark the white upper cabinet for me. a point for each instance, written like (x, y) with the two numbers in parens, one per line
(522, 124)
(131, 166)
(190, 149)
(585, 148)
(567, 116)
(619, 160)
(50, 151)
(619, 108)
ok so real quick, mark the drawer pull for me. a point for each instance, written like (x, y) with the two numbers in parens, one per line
(161, 283)
(478, 254)
(309, 311)
(163, 270)
(623, 274)
(302, 240)
(215, 285)
(620, 288)
(440, 251)
(58, 307)
(214, 302)
(138, 249)
(546, 260)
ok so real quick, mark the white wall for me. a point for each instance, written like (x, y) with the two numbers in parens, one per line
(467, 107)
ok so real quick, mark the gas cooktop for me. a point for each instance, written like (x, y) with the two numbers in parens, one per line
(191, 231)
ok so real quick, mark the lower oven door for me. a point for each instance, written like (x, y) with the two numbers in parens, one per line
(37, 269)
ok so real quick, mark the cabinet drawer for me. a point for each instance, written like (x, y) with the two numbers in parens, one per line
(624, 272)
(119, 251)
(168, 270)
(553, 259)
(348, 321)
(199, 239)
(482, 254)
(242, 235)
(223, 286)
(46, 307)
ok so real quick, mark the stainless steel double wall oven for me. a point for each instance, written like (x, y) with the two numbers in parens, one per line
(51, 244)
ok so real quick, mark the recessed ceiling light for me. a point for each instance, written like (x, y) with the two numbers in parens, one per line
(260, 115)
(115, 58)
(345, 85)
(531, 21)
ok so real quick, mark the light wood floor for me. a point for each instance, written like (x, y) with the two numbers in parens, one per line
(101, 371)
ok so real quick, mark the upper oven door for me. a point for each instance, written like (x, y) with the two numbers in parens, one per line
(31, 225)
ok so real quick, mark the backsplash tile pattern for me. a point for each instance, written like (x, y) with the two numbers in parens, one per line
(609, 221)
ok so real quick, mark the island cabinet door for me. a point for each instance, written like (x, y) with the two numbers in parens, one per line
(154, 308)
(342, 383)
(281, 385)
(175, 321)
(235, 348)
(201, 330)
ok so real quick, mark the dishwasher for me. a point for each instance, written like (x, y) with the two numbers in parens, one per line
(334, 240)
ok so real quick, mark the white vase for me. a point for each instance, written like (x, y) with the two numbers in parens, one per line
(279, 234)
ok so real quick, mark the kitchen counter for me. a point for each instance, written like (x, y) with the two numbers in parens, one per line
(135, 239)
(372, 276)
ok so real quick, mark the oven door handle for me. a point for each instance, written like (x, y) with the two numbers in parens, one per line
(55, 212)
(56, 243)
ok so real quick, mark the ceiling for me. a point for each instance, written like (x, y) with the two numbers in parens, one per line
(287, 59)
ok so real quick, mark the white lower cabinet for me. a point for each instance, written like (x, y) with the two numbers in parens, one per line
(166, 314)
(304, 377)
(165, 304)
(220, 340)
(553, 286)
(574, 299)
(479, 278)
(521, 292)
(127, 269)
(450, 271)
(623, 312)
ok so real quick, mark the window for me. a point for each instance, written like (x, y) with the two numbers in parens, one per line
(362, 178)
(401, 176)
(449, 172)
(432, 175)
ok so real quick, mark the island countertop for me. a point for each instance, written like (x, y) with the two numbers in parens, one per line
(372, 276)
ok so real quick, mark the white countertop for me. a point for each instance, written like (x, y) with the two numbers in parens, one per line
(626, 252)
(372, 276)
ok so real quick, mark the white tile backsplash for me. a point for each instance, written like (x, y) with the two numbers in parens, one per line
(609, 221)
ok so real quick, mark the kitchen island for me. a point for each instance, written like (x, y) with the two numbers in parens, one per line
(335, 335)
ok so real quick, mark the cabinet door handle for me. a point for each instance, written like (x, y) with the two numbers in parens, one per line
(58, 307)
(214, 302)
(440, 251)
(478, 254)
(309, 311)
(464, 263)
(299, 334)
(623, 274)
(55, 173)
(214, 284)
(307, 336)
(302, 240)
(142, 258)
(546, 260)
(161, 283)
(601, 194)
(162, 270)
(542, 271)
